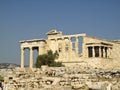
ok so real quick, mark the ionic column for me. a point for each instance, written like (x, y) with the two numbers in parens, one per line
(99, 51)
(31, 57)
(22, 57)
(104, 52)
(93, 50)
(76, 46)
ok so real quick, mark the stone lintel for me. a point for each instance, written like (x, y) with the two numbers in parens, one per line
(32, 40)
(68, 36)
(99, 44)
(75, 35)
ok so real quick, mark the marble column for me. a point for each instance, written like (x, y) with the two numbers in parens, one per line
(104, 52)
(77, 46)
(93, 50)
(22, 57)
(99, 51)
(31, 57)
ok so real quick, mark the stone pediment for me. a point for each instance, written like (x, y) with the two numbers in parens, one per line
(53, 32)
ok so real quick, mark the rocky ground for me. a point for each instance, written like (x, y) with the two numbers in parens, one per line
(75, 77)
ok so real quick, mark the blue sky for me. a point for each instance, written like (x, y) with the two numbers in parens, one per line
(29, 19)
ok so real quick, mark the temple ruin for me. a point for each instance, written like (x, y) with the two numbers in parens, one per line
(75, 49)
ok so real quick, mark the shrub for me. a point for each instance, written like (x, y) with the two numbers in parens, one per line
(48, 59)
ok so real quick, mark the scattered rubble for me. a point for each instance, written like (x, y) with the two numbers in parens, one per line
(62, 78)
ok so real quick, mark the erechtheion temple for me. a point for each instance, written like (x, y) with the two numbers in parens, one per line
(75, 49)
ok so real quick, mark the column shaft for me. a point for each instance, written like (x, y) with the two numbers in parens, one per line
(104, 52)
(76, 46)
(31, 57)
(22, 57)
(99, 51)
(93, 50)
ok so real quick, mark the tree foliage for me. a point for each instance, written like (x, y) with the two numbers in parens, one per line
(1, 78)
(48, 59)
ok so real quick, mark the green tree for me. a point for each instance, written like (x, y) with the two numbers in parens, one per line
(1, 78)
(48, 59)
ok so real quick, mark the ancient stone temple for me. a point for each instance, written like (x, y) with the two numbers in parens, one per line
(75, 49)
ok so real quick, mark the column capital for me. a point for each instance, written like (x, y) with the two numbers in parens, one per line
(30, 47)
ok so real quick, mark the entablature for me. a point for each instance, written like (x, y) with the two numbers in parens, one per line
(68, 36)
(32, 40)
(99, 44)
